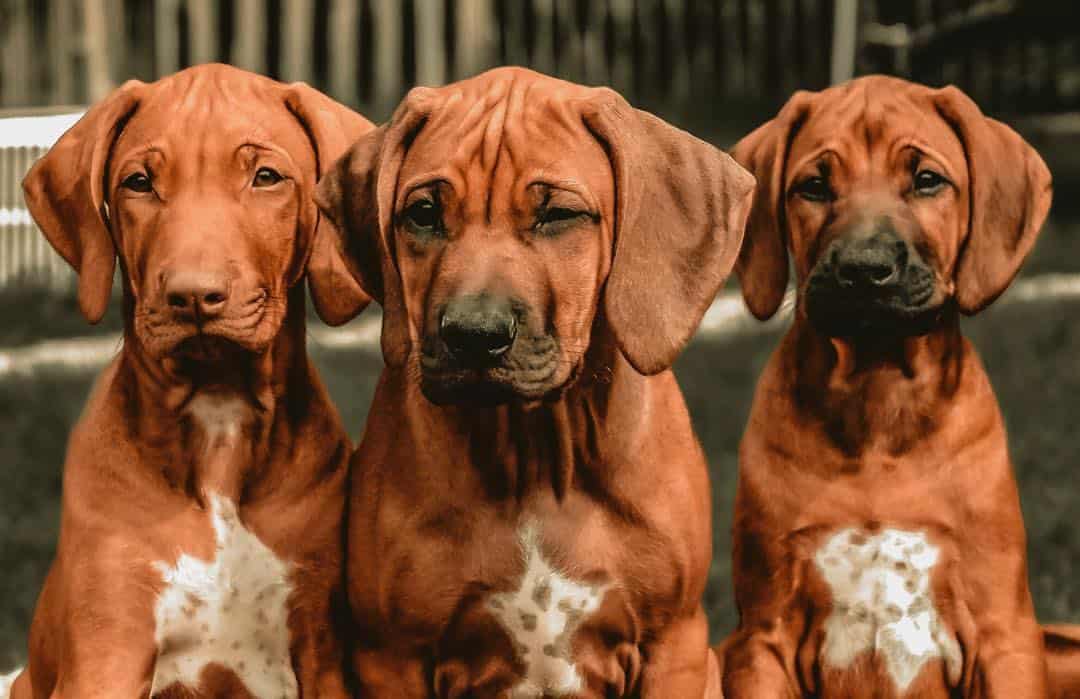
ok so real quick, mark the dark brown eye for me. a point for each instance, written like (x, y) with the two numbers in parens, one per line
(423, 216)
(928, 183)
(267, 177)
(557, 213)
(138, 182)
(814, 188)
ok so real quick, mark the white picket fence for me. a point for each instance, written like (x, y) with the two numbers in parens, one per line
(25, 255)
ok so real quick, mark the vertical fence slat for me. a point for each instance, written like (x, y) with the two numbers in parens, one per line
(680, 60)
(388, 51)
(249, 35)
(166, 39)
(543, 58)
(342, 59)
(430, 44)
(622, 65)
(16, 45)
(59, 43)
(203, 15)
(476, 37)
(297, 22)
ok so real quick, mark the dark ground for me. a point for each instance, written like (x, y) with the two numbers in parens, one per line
(1030, 350)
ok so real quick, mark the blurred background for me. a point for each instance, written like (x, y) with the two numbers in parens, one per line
(714, 67)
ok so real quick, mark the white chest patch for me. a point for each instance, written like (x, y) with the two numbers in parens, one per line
(881, 602)
(231, 611)
(541, 616)
(219, 418)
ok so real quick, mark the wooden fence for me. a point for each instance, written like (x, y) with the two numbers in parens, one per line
(677, 57)
(1014, 58)
(366, 53)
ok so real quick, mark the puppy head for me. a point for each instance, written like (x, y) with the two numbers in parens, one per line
(499, 218)
(201, 184)
(894, 200)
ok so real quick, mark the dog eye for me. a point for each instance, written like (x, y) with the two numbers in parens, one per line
(266, 177)
(138, 182)
(423, 215)
(928, 182)
(814, 188)
(557, 214)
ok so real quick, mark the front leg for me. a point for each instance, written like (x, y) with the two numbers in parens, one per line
(756, 664)
(1009, 655)
(92, 636)
(1010, 661)
(318, 659)
(679, 663)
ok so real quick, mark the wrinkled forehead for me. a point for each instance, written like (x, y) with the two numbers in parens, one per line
(501, 134)
(870, 123)
(206, 120)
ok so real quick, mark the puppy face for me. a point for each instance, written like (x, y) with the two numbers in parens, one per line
(896, 202)
(205, 204)
(503, 235)
(200, 184)
(877, 210)
(505, 221)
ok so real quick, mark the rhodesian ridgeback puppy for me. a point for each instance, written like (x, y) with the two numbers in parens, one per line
(530, 506)
(879, 546)
(204, 488)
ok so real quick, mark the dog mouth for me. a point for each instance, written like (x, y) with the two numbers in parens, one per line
(222, 339)
(909, 308)
(526, 375)
(206, 348)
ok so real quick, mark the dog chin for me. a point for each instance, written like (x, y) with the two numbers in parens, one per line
(481, 388)
(873, 319)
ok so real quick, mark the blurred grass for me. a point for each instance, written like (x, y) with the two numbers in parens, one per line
(1030, 350)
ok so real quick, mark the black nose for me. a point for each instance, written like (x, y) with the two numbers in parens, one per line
(196, 293)
(875, 261)
(478, 329)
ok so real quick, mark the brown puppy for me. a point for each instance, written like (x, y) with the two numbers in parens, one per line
(879, 546)
(204, 487)
(531, 507)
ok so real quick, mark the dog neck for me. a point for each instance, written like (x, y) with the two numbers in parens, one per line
(209, 429)
(558, 444)
(887, 395)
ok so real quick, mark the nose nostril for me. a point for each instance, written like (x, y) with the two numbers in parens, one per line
(177, 300)
(214, 298)
(879, 274)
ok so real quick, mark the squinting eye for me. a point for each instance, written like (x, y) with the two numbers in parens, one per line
(266, 177)
(928, 182)
(557, 213)
(423, 215)
(138, 182)
(814, 188)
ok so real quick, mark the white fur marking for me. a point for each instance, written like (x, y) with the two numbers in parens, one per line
(881, 601)
(232, 611)
(541, 616)
(219, 418)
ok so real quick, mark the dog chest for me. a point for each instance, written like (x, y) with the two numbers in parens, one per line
(541, 614)
(231, 611)
(882, 602)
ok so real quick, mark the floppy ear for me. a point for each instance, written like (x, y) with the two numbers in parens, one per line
(681, 208)
(65, 193)
(357, 196)
(1009, 195)
(332, 128)
(763, 261)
